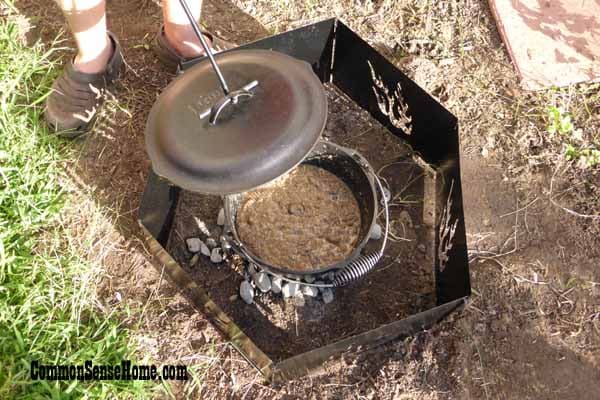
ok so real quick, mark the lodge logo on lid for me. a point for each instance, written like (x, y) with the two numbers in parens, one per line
(206, 100)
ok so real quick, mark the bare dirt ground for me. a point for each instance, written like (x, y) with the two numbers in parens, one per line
(532, 327)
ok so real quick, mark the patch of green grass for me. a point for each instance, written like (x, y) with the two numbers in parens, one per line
(47, 292)
(559, 121)
(575, 147)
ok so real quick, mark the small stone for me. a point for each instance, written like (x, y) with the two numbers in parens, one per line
(204, 249)
(298, 300)
(221, 217)
(309, 278)
(486, 222)
(193, 244)
(289, 289)
(118, 296)
(310, 291)
(422, 248)
(194, 260)
(211, 243)
(216, 256)
(262, 281)
(376, 232)
(247, 292)
(387, 195)
(276, 284)
(327, 295)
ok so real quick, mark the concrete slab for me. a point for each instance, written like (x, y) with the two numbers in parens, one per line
(551, 42)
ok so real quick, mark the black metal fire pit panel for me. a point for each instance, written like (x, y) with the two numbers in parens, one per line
(431, 122)
(311, 43)
(157, 208)
(433, 135)
(340, 56)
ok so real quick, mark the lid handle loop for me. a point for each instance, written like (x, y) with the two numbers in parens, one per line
(232, 98)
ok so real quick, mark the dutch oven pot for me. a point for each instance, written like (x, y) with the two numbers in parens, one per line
(204, 140)
(348, 165)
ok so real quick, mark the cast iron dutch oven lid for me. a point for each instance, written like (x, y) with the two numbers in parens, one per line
(252, 142)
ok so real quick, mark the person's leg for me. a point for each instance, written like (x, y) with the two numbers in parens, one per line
(178, 30)
(78, 92)
(87, 21)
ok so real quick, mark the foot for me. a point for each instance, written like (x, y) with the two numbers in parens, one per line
(77, 95)
(184, 41)
(176, 47)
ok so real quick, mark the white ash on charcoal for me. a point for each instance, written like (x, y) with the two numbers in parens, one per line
(247, 292)
(216, 256)
(262, 282)
(290, 289)
(296, 292)
(221, 217)
(327, 295)
(276, 283)
(310, 291)
(204, 249)
(193, 244)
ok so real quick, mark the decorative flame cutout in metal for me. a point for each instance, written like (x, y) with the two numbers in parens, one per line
(392, 106)
(446, 231)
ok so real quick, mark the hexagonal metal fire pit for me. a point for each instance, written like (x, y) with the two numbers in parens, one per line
(341, 58)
